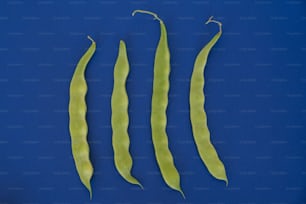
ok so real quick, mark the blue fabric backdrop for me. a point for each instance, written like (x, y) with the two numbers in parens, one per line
(255, 99)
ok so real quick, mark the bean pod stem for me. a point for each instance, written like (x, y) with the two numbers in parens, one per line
(198, 116)
(120, 119)
(159, 106)
(77, 123)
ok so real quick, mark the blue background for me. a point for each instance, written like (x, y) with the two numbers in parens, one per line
(255, 99)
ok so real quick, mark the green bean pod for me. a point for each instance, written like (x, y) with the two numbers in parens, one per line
(159, 106)
(120, 119)
(77, 114)
(198, 116)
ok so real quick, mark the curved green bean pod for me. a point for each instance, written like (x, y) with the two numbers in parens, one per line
(159, 106)
(120, 118)
(77, 114)
(198, 117)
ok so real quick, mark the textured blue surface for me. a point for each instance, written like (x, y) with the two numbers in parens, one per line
(255, 91)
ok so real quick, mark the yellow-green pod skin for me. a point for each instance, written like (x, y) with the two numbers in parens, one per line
(78, 125)
(159, 106)
(198, 116)
(120, 118)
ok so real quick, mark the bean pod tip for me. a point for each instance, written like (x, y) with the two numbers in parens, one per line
(146, 12)
(91, 39)
(211, 20)
(122, 43)
(182, 193)
(90, 194)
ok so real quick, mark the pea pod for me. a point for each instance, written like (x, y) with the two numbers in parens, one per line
(159, 106)
(120, 118)
(77, 114)
(198, 116)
